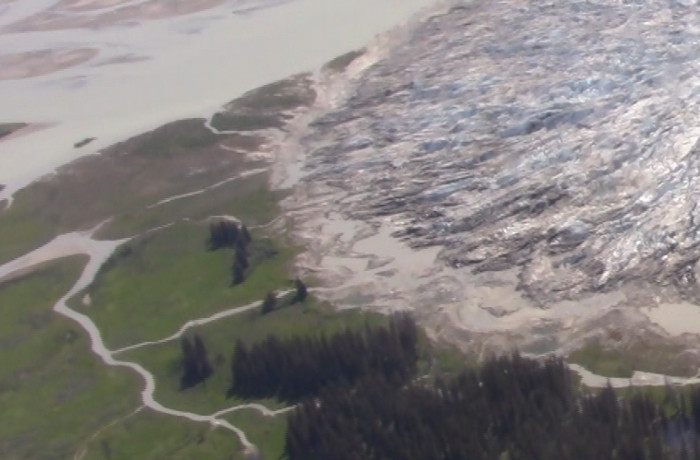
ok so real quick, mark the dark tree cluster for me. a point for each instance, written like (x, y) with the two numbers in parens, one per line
(301, 291)
(269, 303)
(241, 264)
(227, 233)
(511, 408)
(196, 365)
(239, 268)
(223, 233)
(293, 368)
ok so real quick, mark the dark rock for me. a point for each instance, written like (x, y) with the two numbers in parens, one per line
(549, 116)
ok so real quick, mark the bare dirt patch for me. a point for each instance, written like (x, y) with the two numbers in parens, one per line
(16, 66)
(270, 106)
(89, 5)
(56, 17)
(123, 59)
(12, 130)
(8, 128)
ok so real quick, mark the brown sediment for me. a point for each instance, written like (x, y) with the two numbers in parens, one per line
(8, 128)
(16, 66)
(269, 106)
(54, 18)
(23, 129)
(121, 59)
(87, 5)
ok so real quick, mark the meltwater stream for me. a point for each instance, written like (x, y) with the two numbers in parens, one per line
(98, 252)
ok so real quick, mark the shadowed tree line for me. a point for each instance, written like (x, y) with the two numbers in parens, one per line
(196, 365)
(301, 291)
(359, 401)
(511, 408)
(271, 302)
(293, 368)
(227, 233)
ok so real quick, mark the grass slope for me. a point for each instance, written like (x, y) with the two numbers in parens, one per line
(163, 279)
(148, 435)
(165, 360)
(267, 106)
(177, 158)
(341, 63)
(53, 391)
(622, 361)
(268, 433)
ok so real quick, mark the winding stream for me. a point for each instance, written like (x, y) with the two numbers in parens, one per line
(78, 243)
(199, 322)
(98, 252)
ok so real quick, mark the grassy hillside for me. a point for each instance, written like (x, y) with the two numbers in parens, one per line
(54, 392)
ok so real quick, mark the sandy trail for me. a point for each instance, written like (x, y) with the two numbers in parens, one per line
(83, 450)
(242, 175)
(258, 407)
(199, 322)
(210, 127)
(638, 379)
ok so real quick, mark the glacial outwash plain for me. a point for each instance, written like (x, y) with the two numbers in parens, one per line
(517, 175)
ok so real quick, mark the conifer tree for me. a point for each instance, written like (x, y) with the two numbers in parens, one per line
(204, 368)
(231, 232)
(196, 365)
(241, 259)
(269, 303)
(301, 292)
(189, 375)
(245, 235)
(223, 233)
(238, 273)
(216, 238)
